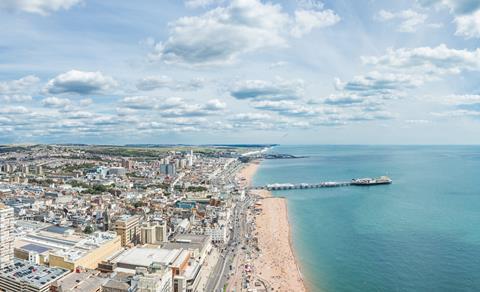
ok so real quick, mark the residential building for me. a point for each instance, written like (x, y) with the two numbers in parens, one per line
(6, 236)
(22, 276)
(128, 227)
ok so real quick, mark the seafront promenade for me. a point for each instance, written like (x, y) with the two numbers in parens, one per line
(268, 231)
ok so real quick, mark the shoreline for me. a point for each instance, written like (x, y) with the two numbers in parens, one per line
(273, 232)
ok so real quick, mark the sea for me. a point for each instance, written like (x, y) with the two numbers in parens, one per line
(421, 233)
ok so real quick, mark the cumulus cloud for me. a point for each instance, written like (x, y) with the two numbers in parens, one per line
(81, 82)
(437, 60)
(19, 90)
(16, 98)
(468, 25)
(173, 106)
(18, 86)
(401, 70)
(344, 99)
(222, 34)
(466, 15)
(42, 7)
(12, 110)
(56, 102)
(201, 3)
(409, 19)
(278, 89)
(158, 82)
(307, 20)
(86, 102)
(379, 84)
(287, 108)
(460, 113)
(310, 4)
(458, 99)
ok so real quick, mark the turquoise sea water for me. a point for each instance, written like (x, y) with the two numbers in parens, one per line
(422, 233)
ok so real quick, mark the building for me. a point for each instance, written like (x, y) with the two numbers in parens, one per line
(143, 257)
(218, 232)
(87, 253)
(161, 234)
(6, 236)
(147, 233)
(153, 233)
(39, 170)
(58, 197)
(62, 247)
(119, 282)
(168, 169)
(190, 159)
(128, 164)
(128, 227)
(25, 169)
(85, 281)
(199, 245)
(22, 276)
(157, 278)
(117, 171)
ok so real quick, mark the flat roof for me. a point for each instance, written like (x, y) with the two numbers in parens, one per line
(57, 229)
(35, 275)
(144, 257)
(88, 281)
(35, 247)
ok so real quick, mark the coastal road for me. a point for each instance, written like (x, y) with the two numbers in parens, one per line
(219, 278)
(220, 272)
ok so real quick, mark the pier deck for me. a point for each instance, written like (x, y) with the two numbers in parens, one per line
(328, 184)
(281, 187)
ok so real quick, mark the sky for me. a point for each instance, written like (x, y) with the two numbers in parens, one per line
(240, 71)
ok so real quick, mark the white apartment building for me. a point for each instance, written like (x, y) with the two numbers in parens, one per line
(218, 232)
(6, 238)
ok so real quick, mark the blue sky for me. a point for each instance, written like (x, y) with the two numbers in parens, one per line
(241, 71)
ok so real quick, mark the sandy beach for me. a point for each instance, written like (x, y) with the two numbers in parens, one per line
(248, 172)
(276, 264)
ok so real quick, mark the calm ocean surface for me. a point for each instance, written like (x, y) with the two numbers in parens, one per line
(422, 233)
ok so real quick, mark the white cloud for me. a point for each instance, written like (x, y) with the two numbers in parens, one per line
(12, 110)
(410, 20)
(458, 99)
(307, 20)
(220, 35)
(310, 4)
(16, 98)
(56, 102)
(278, 89)
(344, 99)
(468, 25)
(81, 82)
(287, 108)
(172, 107)
(19, 90)
(140, 102)
(215, 105)
(161, 81)
(18, 86)
(42, 7)
(201, 3)
(457, 114)
(86, 102)
(378, 84)
(466, 15)
(438, 60)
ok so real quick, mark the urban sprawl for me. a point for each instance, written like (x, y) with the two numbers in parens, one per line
(120, 219)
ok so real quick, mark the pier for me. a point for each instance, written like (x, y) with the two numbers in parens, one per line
(287, 186)
(383, 180)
